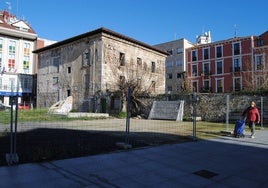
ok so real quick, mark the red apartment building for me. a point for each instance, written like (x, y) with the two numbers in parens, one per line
(229, 65)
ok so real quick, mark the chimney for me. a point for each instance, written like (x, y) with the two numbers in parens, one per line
(5, 15)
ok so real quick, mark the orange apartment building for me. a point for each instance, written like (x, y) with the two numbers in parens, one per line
(229, 65)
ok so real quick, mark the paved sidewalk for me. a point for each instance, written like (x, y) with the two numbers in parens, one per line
(221, 162)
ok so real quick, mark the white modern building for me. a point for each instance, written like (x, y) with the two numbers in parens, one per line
(17, 62)
(176, 64)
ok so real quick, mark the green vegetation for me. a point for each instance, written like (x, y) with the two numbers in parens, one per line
(121, 115)
(36, 115)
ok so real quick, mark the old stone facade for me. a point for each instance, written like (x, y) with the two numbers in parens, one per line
(90, 66)
(212, 107)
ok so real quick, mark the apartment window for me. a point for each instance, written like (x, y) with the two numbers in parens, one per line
(194, 70)
(26, 48)
(12, 47)
(69, 70)
(11, 61)
(206, 86)
(122, 59)
(179, 63)
(180, 75)
(169, 64)
(170, 52)
(206, 53)
(219, 85)
(86, 58)
(179, 50)
(206, 68)
(218, 51)
(259, 65)
(194, 55)
(153, 67)
(236, 65)
(219, 67)
(194, 86)
(237, 84)
(236, 48)
(139, 61)
(26, 62)
(169, 88)
(169, 75)
(260, 42)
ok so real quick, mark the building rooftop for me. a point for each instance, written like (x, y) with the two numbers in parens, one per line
(95, 32)
(10, 25)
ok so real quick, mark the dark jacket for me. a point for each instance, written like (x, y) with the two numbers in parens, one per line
(252, 114)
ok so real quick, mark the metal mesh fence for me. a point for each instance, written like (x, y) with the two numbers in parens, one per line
(42, 136)
(52, 138)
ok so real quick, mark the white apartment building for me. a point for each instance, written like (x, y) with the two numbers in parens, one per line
(17, 62)
(176, 64)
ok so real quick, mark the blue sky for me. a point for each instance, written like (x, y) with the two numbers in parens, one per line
(152, 22)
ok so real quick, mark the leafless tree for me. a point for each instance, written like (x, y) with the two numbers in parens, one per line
(139, 78)
(255, 74)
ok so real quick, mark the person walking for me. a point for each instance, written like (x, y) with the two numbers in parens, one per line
(252, 115)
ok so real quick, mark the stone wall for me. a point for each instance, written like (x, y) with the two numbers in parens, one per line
(213, 107)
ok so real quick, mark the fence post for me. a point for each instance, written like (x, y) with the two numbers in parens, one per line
(227, 111)
(261, 112)
(12, 157)
(128, 115)
(126, 145)
(194, 101)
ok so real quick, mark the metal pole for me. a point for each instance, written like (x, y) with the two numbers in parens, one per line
(128, 115)
(9, 156)
(261, 112)
(194, 115)
(227, 111)
(15, 157)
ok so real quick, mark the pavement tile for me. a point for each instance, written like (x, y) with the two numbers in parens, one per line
(237, 163)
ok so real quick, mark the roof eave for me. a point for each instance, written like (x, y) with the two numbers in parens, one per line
(94, 32)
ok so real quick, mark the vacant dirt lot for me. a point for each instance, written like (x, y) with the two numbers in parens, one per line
(43, 141)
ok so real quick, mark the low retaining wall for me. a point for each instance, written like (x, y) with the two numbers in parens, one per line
(84, 114)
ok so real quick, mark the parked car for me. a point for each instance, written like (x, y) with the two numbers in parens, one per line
(4, 107)
(24, 106)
